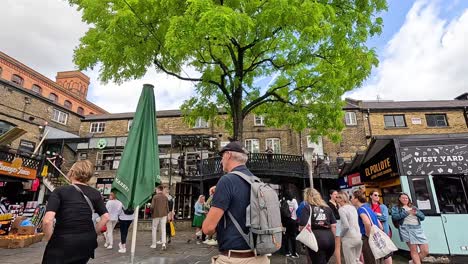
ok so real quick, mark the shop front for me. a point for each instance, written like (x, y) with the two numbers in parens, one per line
(433, 171)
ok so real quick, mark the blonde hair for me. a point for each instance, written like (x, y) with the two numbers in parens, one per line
(344, 197)
(81, 171)
(313, 197)
(199, 198)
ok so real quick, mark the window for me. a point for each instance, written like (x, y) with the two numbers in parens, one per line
(350, 119)
(450, 194)
(4, 127)
(421, 194)
(259, 120)
(53, 97)
(130, 123)
(60, 117)
(252, 145)
(436, 120)
(97, 127)
(36, 89)
(274, 144)
(17, 79)
(108, 159)
(317, 146)
(394, 121)
(67, 104)
(200, 123)
(80, 110)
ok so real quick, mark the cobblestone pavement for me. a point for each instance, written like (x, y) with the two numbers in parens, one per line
(178, 252)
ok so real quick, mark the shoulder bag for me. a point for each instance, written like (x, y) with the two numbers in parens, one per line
(379, 242)
(306, 236)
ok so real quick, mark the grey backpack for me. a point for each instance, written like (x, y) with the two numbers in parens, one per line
(263, 217)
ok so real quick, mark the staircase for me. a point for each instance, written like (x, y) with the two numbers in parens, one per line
(55, 178)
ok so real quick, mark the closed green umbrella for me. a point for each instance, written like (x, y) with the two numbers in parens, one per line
(138, 171)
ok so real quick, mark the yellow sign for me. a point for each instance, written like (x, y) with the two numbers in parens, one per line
(380, 168)
(16, 169)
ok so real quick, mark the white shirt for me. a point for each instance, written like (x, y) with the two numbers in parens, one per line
(349, 220)
(113, 208)
(410, 219)
(293, 208)
(126, 217)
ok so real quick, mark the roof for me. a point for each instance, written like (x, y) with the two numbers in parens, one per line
(55, 133)
(130, 115)
(397, 105)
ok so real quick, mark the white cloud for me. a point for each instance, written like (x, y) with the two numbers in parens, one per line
(426, 59)
(43, 34)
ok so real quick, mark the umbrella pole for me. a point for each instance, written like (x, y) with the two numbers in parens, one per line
(135, 226)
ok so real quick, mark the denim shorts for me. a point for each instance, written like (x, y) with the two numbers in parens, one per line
(413, 234)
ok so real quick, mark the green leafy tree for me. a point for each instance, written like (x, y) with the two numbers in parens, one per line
(311, 51)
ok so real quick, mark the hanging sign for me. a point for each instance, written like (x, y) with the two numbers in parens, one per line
(16, 169)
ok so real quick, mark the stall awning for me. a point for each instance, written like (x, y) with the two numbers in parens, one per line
(55, 133)
(11, 135)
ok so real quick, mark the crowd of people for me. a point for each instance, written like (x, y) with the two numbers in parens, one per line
(341, 226)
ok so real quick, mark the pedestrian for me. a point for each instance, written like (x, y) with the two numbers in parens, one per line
(170, 215)
(232, 195)
(160, 209)
(73, 239)
(211, 241)
(291, 225)
(126, 217)
(199, 217)
(269, 152)
(381, 211)
(350, 233)
(323, 224)
(367, 218)
(114, 207)
(409, 219)
(332, 203)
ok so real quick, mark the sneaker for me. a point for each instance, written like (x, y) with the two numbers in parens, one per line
(212, 242)
(153, 246)
(159, 242)
(206, 241)
(288, 255)
(198, 242)
(122, 249)
(106, 245)
(163, 247)
(295, 255)
(109, 247)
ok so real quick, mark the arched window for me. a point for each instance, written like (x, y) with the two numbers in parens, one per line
(17, 79)
(36, 89)
(80, 110)
(53, 97)
(67, 104)
(5, 126)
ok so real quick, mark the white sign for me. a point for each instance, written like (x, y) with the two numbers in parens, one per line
(416, 121)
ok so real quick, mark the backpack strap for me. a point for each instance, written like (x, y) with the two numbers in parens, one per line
(248, 237)
(247, 178)
(86, 198)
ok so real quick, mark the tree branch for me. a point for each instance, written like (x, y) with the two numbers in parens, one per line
(256, 102)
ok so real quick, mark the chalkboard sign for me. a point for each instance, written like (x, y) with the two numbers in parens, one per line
(433, 160)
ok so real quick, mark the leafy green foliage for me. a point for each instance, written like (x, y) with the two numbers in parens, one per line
(315, 50)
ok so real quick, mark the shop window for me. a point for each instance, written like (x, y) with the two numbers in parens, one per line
(36, 89)
(80, 110)
(5, 127)
(67, 104)
(436, 120)
(17, 79)
(394, 121)
(97, 127)
(259, 120)
(108, 159)
(200, 123)
(252, 145)
(274, 144)
(451, 194)
(421, 194)
(350, 119)
(53, 97)
(60, 117)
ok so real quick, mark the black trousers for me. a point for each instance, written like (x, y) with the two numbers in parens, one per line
(290, 237)
(326, 245)
(124, 225)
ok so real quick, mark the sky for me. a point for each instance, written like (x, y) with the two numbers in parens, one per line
(422, 51)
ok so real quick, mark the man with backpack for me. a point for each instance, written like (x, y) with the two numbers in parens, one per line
(243, 234)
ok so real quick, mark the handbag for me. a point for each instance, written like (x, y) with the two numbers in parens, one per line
(381, 245)
(306, 236)
(172, 226)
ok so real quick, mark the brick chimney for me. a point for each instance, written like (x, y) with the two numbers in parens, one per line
(75, 82)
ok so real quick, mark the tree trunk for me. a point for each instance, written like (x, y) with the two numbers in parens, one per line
(237, 120)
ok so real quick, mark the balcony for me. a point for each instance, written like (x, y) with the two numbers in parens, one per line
(261, 164)
(19, 164)
(326, 169)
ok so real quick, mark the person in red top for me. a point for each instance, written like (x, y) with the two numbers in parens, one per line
(381, 211)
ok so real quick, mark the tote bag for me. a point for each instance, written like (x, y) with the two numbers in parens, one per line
(306, 236)
(379, 242)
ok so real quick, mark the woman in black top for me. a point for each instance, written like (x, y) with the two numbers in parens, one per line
(74, 237)
(333, 204)
(323, 225)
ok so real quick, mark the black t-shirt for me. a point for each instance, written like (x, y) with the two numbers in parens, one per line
(233, 195)
(73, 215)
(322, 217)
(334, 210)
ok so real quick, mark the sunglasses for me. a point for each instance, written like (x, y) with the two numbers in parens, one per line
(378, 195)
